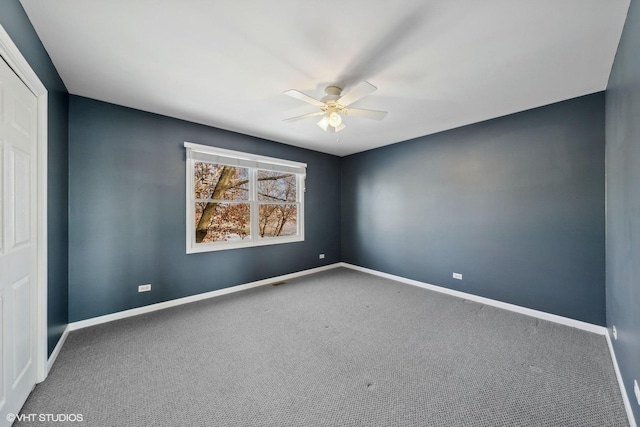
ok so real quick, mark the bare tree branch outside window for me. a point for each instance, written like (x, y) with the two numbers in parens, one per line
(223, 206)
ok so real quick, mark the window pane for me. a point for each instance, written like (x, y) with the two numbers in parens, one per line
(220, 182)
(278, 220)
(222, 222)
(276, 187)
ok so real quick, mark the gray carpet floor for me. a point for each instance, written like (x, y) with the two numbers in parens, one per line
(338, 348)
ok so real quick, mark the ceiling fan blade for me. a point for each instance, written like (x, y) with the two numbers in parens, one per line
(324, 123)
(367, 114)
(302, 97)
(360, 91)
(304, 116)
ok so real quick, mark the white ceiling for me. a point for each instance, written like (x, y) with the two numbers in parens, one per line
(438, 64)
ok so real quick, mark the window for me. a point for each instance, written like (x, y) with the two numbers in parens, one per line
(236, 200)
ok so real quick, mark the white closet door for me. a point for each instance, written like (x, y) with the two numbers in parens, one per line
(18, 163)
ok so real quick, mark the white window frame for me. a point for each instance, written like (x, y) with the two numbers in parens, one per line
(254, 162)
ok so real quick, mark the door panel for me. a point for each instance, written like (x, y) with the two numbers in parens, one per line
(18, 268)
(21, 117)
(22, 351)
(19, 193)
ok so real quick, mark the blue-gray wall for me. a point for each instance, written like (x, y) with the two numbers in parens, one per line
(17, 25)
(623, 202)
(127, 211)
(515, 204)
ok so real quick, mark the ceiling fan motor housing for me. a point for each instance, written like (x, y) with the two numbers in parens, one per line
(332, 94)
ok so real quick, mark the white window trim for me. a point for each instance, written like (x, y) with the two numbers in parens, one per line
(299, 169)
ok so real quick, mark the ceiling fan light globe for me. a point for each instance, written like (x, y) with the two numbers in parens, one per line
(324, 123)
(335, 120)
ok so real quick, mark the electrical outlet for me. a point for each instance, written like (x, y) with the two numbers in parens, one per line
(144, 288)
(636, 390)
(321, 256)
(457, 276)
(614, 332)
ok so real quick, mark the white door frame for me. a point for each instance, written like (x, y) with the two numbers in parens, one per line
(12, 56)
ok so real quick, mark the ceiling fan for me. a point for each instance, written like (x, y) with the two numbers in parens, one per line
(334, 105)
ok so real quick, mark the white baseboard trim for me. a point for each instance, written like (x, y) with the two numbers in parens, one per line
(600, 330)
(185, 300)
(623, 391)
(54, 354)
